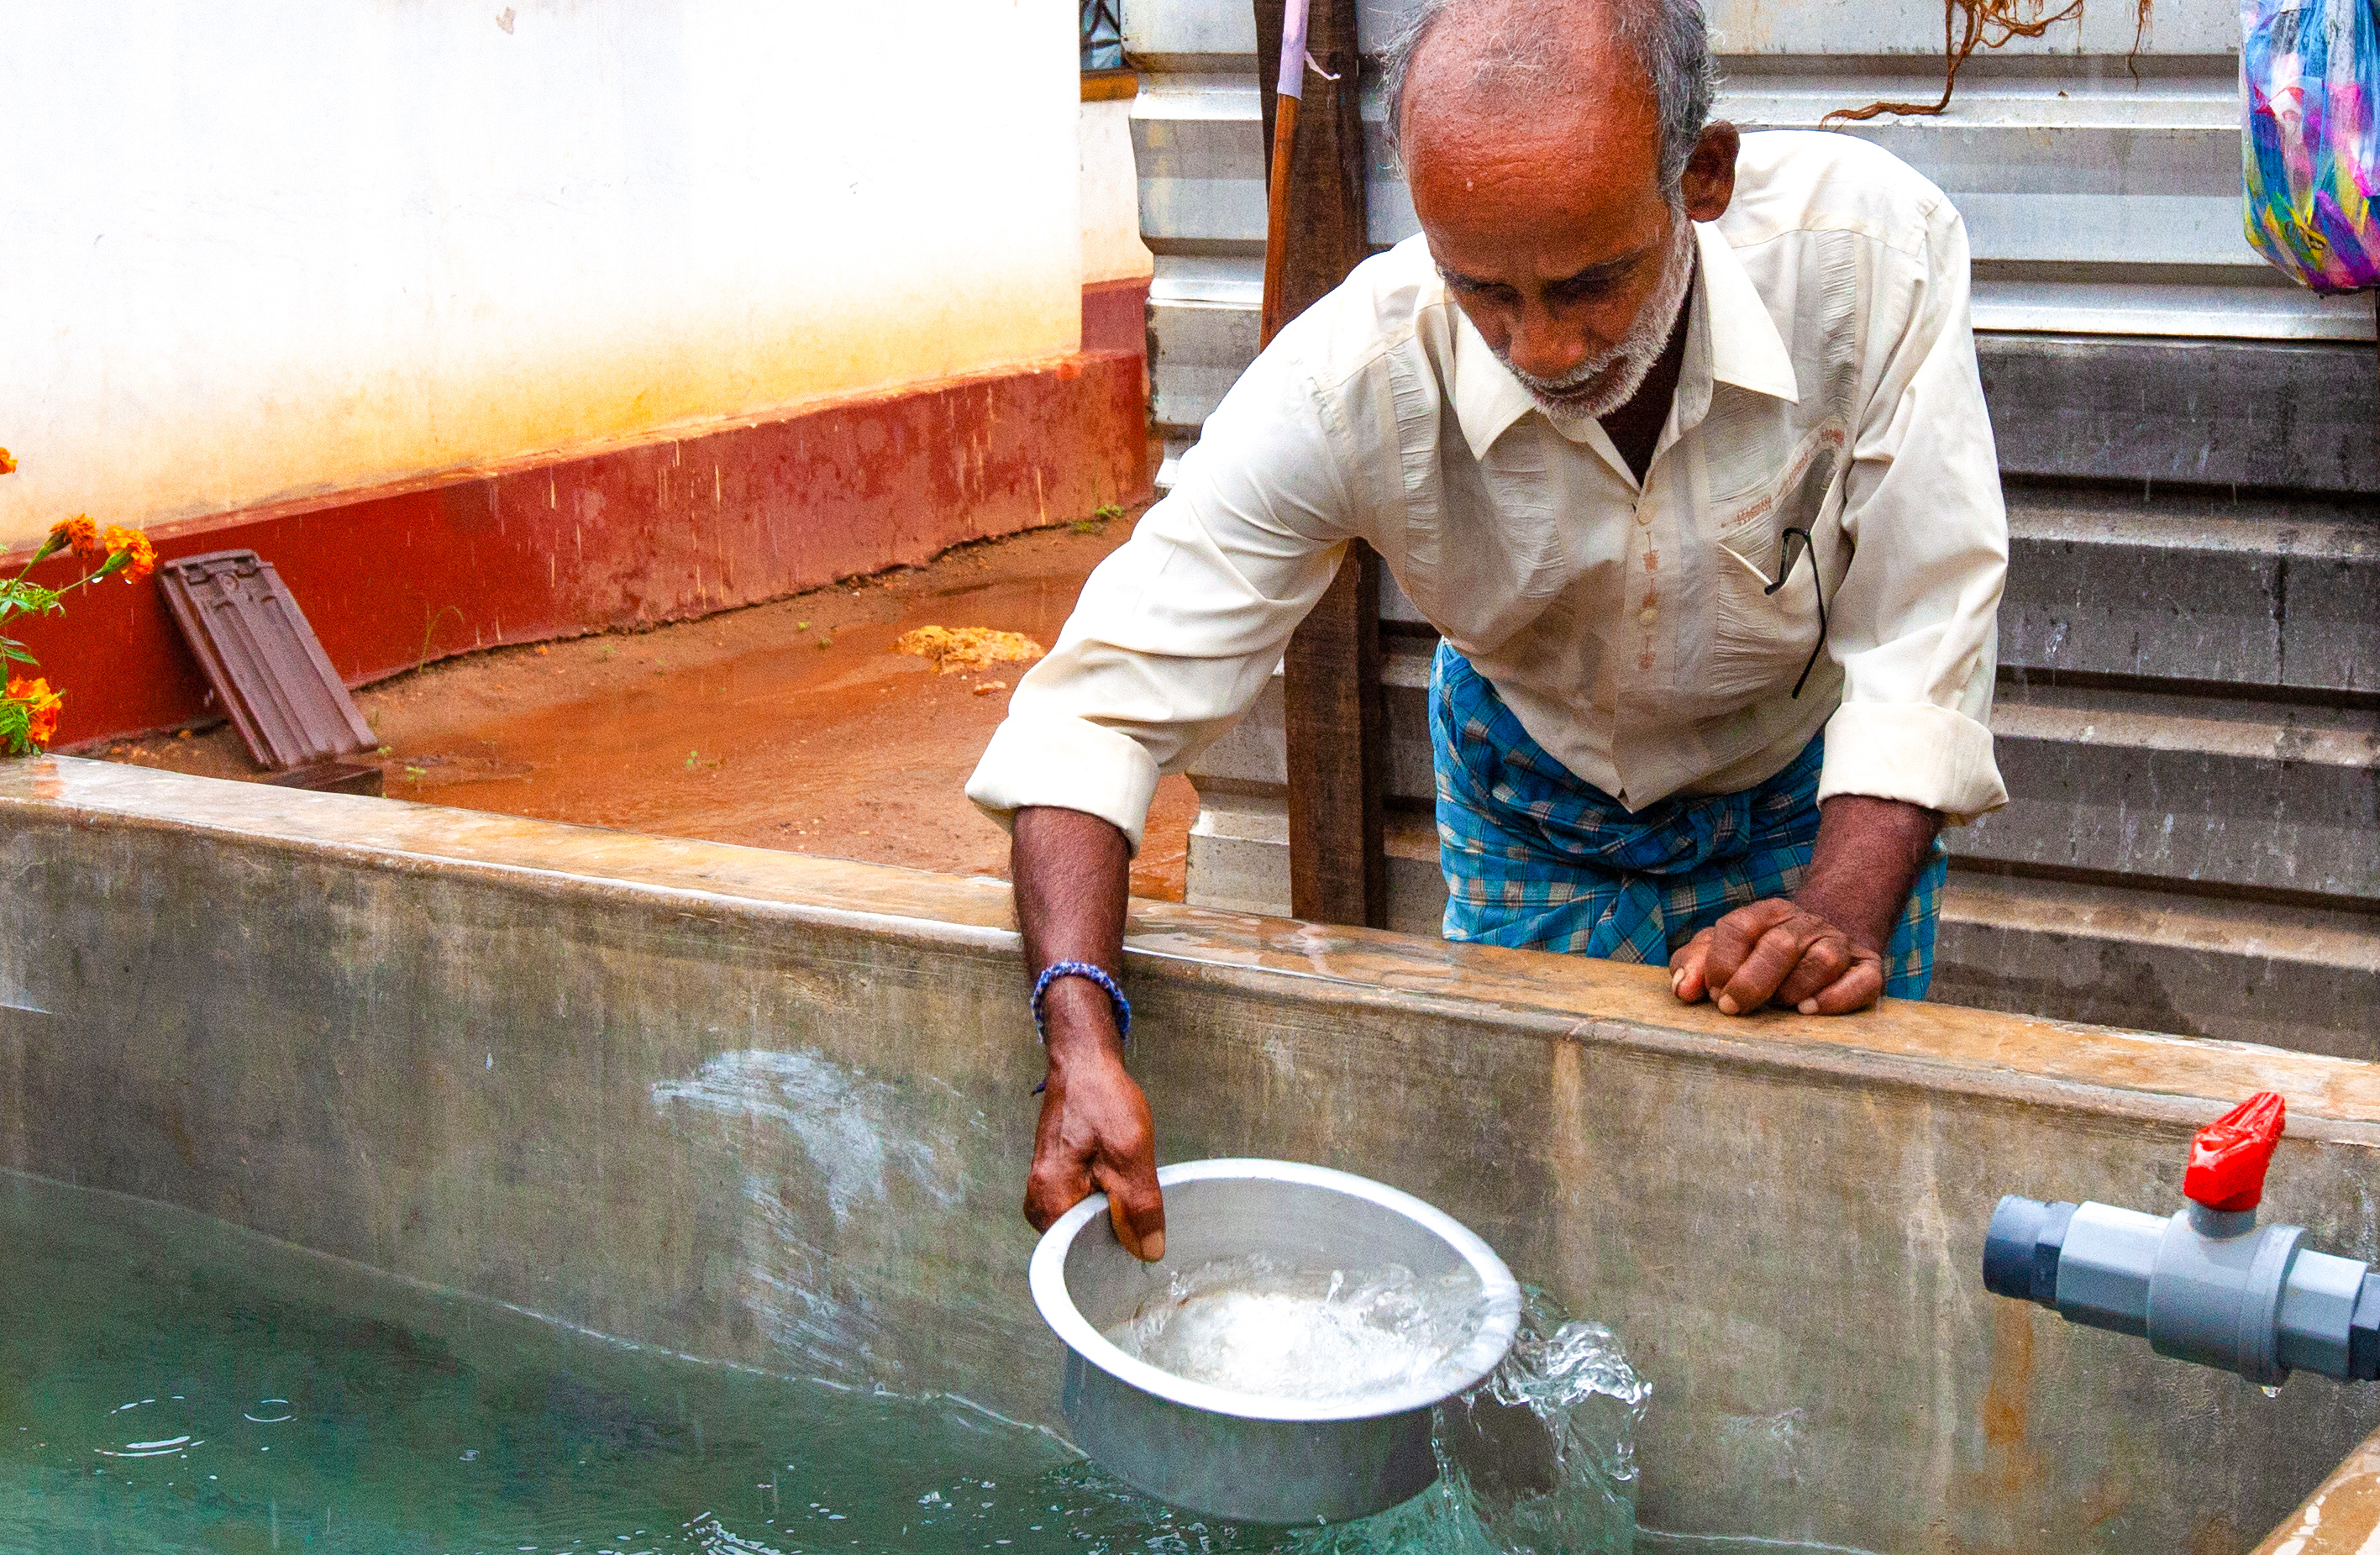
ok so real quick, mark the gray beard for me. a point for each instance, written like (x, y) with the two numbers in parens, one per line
(1601, 384)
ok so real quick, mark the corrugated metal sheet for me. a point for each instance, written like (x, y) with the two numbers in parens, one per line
(2100, 183)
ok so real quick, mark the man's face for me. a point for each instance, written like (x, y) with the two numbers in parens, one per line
(1555, 236)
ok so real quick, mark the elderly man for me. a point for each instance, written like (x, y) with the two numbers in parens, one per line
(1676, 437)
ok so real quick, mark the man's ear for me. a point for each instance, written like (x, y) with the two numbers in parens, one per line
(1709, 181)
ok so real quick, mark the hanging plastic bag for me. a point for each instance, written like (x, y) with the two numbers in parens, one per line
(2310, 80)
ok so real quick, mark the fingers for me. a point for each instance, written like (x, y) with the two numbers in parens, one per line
(1773, 959)
(1742, 957)
(1050, 1193)
(1095, 1135)
(1686, 968)
(1774, 951)
(1135, 1207)
(1060, 1177)
(1824, 958)
(1857, 989)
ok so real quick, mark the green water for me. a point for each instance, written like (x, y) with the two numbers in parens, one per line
(169, 1383)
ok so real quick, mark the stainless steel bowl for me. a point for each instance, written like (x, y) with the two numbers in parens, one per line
(1244, 1457)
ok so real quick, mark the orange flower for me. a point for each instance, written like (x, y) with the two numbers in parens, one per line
(82, 534)
(40, 709)
(7, 462)
(143, 559)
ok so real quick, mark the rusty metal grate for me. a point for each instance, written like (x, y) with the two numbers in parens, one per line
(267, 668)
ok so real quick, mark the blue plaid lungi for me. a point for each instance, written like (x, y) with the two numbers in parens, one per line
(1536, 859)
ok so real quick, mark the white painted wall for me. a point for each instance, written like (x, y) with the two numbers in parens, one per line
(257, 248)
(1111, 247)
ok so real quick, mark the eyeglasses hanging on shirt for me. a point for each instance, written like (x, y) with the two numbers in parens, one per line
(1784, 571)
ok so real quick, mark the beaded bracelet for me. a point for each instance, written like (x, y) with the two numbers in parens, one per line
(1057, 969)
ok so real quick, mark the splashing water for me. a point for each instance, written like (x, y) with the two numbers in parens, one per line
(1251, 1326)
(1544, 1454)
(1539, 1460)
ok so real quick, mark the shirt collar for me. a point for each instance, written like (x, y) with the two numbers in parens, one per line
(1744, 350)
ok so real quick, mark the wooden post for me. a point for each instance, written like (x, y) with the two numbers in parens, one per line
(1337, 728)
(1325, 231)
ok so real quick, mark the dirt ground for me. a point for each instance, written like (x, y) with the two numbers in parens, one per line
(791, 725)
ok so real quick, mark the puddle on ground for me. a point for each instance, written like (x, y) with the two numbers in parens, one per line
(791, 725)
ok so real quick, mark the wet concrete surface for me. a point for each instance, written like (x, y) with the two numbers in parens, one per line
(790, 725)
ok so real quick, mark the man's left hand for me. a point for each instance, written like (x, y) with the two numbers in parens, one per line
(1818, 953)
(1776, 952)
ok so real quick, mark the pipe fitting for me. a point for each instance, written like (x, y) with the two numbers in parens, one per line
(2207, 1286)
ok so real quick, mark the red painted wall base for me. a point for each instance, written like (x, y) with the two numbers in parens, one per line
(1115, 316)
(661, 530)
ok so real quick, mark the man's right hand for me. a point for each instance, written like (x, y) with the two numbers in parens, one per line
(1095, 1133)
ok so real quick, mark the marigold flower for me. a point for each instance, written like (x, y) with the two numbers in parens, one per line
(144, 558)
(7, 462)
(41, 706)
(83, 535)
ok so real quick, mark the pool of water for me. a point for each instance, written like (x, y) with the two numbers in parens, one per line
(169, 1383)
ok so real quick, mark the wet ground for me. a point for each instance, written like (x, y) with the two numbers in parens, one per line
(789, 725)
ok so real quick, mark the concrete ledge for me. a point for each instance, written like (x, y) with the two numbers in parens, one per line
(2265, 414)
(668, 526)
(2250, 593)
(2165, 792)
(775, 1110)
(2300, 977)
(2342, 1516)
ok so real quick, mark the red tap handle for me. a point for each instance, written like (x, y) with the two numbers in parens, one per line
(2228, 1157)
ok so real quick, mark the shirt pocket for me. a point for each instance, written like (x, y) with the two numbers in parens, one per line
(1761, 638)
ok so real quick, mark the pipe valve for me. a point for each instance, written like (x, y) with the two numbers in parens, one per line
(2208, 1285)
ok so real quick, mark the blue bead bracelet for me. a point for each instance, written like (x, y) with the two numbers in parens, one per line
(1057, 969)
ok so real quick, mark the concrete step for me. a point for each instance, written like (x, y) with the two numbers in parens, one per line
(2265, 796)
(2248, 972)
(2256, 592)
(2298, 416)
(2298, 978)
(2274, 797)
(1253, 758)
(1239, 860)
(2158, 412)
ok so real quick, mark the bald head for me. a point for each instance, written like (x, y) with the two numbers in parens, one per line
(1531, 61)
(1558, 154)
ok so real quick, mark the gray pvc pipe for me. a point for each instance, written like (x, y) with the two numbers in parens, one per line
(2205, 1285)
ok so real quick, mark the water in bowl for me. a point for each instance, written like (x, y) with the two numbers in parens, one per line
(1254, 1326)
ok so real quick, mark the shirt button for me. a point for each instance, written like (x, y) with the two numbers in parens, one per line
(1648, 616)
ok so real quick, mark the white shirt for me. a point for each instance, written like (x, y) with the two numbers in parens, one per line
(1828, 383)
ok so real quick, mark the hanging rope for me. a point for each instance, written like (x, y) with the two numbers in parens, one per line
(1968, 25)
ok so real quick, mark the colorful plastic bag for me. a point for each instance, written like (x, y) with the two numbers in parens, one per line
(2310, 80)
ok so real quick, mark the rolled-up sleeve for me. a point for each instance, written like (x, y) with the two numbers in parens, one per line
(1176, 633)
(1914, 619)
